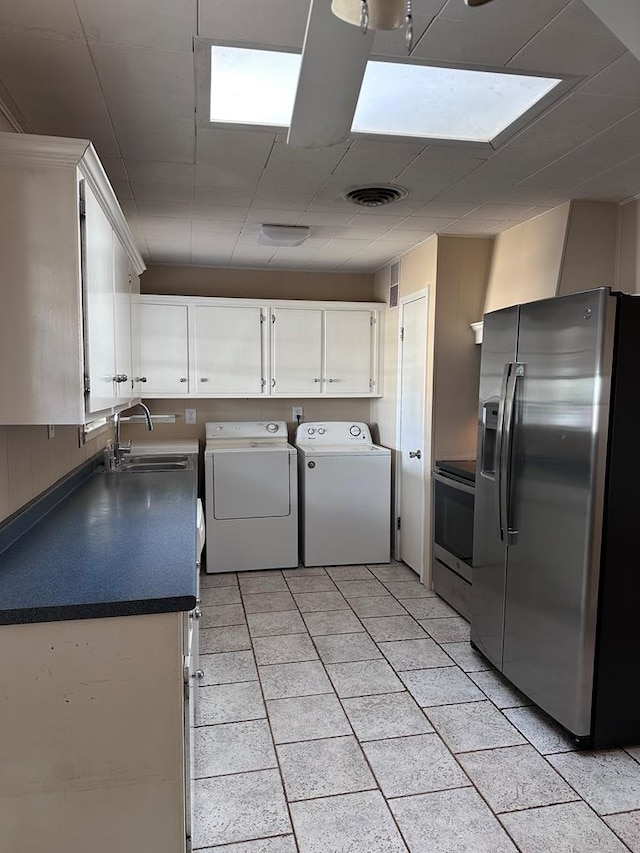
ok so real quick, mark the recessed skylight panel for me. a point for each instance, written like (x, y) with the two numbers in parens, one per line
(253, 86)
(443, 103)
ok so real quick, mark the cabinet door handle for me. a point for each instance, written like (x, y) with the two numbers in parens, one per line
(183, 379)
(140, 379)
(332, 380)
(415, 454)
(203, 379)
(317, 379)
(120, 377)
(199, 673)
(273, 383)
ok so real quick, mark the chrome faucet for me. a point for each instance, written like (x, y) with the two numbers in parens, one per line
(119, 451)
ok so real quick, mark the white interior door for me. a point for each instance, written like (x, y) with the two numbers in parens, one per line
(411, 402)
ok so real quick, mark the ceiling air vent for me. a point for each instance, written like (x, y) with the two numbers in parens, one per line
(374, 195)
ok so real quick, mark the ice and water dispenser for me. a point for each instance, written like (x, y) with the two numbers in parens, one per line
(488, 439)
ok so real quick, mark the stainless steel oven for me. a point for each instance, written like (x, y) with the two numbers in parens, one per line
(453, 504)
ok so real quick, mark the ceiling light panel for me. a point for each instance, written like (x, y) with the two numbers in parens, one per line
(443, 103)
(253, 86)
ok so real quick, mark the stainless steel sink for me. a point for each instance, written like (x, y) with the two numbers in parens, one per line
(156, 462)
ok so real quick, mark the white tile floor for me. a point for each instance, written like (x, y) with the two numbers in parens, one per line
(344, 711)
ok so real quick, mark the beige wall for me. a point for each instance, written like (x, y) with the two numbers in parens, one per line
(527, 259)
(257, 284)
(5, 125)
(589, 258)
(628, 266)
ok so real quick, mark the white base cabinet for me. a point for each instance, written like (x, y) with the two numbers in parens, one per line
(210, 347)
(69, 265)
(93, 745)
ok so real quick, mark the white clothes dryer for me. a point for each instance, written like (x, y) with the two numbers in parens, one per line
(251, 497)
(345, 495)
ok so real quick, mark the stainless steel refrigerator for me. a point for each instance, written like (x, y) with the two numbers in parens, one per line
(556, 567)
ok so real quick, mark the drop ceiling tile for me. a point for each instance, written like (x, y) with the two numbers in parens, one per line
(217, 258)
(172, 232)
(533, 16)
(115, 169)
(203, 227)
(495, 212)
(474, 226)
(221, 196)
(469, 42)
(282, 200)
(574, 42)
(163, 192)
(152, 114)
(308, 182)
(274, 216)
(393, 42)
(228, 177)
(127, 71)
(423, 223)
(439, 166)
(254, 255)
(418, 235)
(617, 184)
(330, 203)
(602, 152)
(446, 210)
(374, 162)
(53, 19)
(530, 195)
(55, 86)
(160, 24)
(220, 212)
(161, 256)
(171, 209)
(166, 147)
(156, 172)
(621, 77)
(334, 219)
(217, 147)
(213, 242)
(467, 192)
(279, 22)
(122, 190)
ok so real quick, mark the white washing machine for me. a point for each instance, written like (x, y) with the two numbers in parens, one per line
(251, 497)
(345, 495)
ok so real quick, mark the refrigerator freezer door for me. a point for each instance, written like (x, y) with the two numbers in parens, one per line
(489, 553)
(558, 472)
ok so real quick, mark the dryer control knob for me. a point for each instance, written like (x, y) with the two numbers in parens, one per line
(272, 427)
(355, 430)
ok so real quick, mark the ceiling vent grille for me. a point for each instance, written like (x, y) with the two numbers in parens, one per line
(373, 195)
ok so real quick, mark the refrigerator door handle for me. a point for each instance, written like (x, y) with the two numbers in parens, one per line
(513, 371)
(498, 449)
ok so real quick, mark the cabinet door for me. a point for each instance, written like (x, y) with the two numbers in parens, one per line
(122, 316)
(229, 350)
(137, 386)
(349, 337)
(99, 325)
(296, 351)
(164, 349)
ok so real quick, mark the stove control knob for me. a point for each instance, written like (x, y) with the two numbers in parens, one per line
(355, 430)
(272, 427)
(321, 431)
(310, 431)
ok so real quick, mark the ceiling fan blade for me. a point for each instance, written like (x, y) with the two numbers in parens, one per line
(334, 58)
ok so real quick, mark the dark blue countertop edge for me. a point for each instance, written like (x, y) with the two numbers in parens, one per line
(14, 527)
(67, 613)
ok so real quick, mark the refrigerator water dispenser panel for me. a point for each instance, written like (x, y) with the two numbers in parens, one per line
(488, 440)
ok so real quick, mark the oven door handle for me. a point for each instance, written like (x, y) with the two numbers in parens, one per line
(455, 484)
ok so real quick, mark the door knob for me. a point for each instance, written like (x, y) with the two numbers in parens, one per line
(415, 454)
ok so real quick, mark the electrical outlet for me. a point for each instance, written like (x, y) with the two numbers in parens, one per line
(51, 431)
(297, 413)
(190, 416)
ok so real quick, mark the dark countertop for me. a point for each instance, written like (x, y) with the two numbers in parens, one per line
(118, 545)
(463, 468)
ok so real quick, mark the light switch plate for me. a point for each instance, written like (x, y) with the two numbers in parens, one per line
(190, 416)
(297, 413)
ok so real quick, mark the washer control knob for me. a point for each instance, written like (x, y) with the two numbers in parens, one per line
(355, 430)
(311, 464)
(272, 427)
(321, 431)
(310, 431)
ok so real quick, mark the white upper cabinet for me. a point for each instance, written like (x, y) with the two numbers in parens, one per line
(229, 350)
(164, 349)
(65, 284)
(349, 352)
(296, 351)
(217, 347)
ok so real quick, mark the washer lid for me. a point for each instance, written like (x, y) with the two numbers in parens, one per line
(257, 446)
(363, 450)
